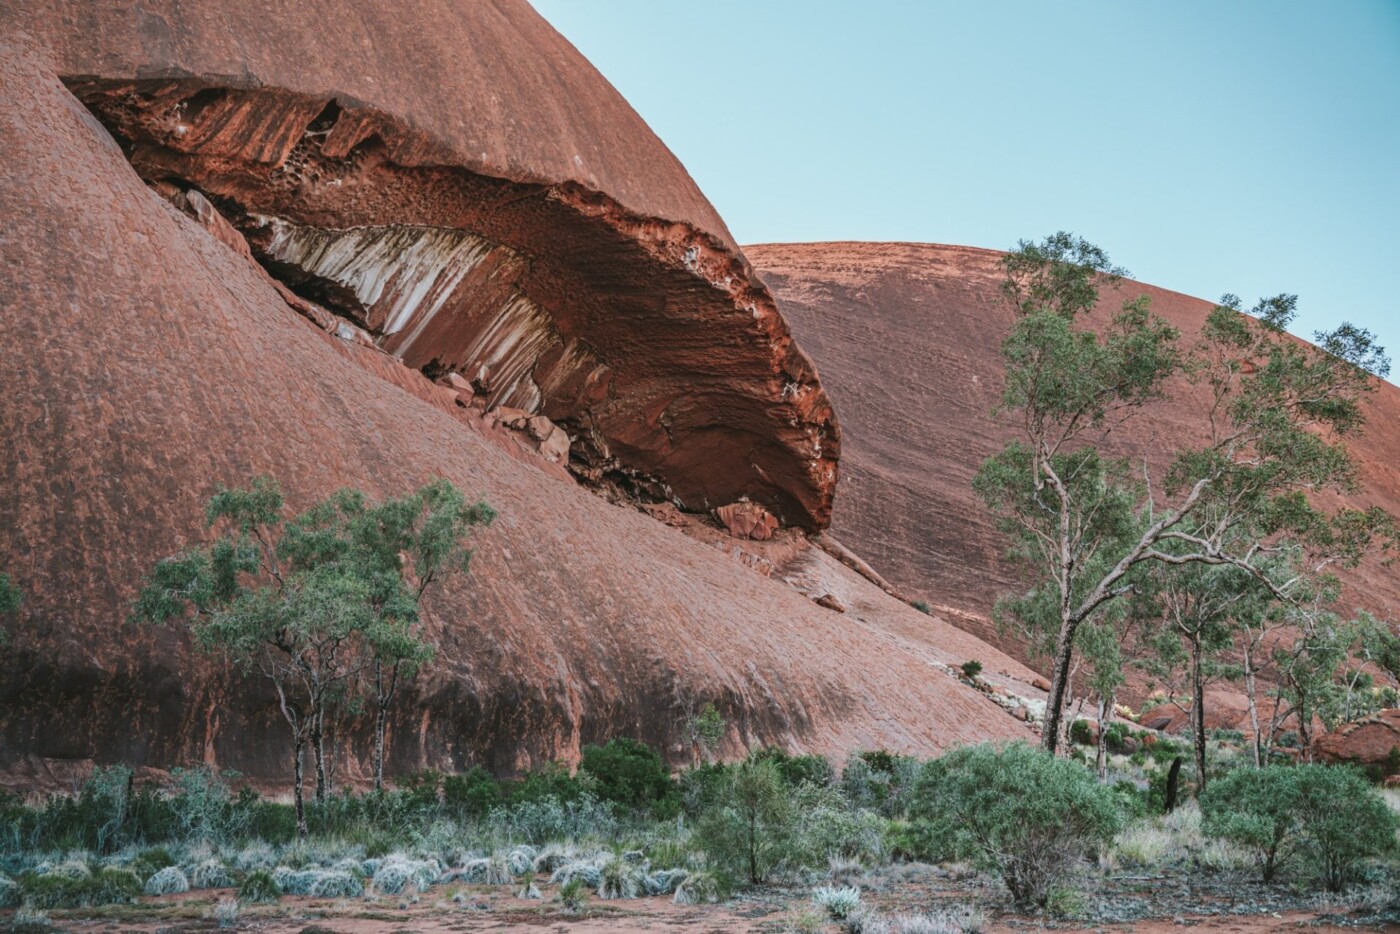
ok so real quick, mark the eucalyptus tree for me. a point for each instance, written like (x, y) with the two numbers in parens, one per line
(1082, 523)
(315, 600)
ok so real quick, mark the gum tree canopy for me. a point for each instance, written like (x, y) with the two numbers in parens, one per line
(1083, 524)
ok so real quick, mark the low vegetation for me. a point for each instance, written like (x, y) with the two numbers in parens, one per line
(621, 827)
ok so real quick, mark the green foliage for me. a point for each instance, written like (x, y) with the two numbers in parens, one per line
(1082, 732)
(472, 794)
(798, 770)
(746, 835)
(574, 896)
(1328, 817)
(922, 606)
(630, 774)
(108, 885)
(259, 886)
(1017, 811)
(1084, 526)
(971, 669)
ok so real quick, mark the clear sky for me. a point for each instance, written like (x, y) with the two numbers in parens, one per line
(1247, 147)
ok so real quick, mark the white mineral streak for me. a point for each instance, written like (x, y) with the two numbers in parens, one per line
(406, 275)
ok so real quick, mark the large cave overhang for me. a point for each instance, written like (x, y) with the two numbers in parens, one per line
(651, 342)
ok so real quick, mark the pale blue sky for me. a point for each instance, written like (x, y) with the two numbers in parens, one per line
(1248, 147)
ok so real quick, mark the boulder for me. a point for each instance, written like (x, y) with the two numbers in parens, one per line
(747, 520)
(1373, 743)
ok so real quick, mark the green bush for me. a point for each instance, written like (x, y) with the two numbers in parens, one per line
(1081, 732)
(1327, 816)
(552, 781)
(971, 669)
(1116, 736)
(106, 886)
(259, 886)
(798, 770)
(630, 774)
(1016, 811)
(472, 794)
(747, 833)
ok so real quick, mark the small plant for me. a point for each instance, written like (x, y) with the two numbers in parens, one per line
(664, 881)
(226, 912)
(528, 888)
(9, 893)
(211, 874)
(1081, 733)
(839, 903)
(1065, 904)
(29, 921)
(620, 879)
(574, 896)
(698, 888)
(922, 606)
(971, 669)
(259, 886)
(169, 881)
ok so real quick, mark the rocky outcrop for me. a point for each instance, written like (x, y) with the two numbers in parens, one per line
(459, 186)
(1373, 743)
(145, 363)
(907, 337)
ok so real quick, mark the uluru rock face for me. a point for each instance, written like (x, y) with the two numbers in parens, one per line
(148, 359)
(908, 337)
(462, 188)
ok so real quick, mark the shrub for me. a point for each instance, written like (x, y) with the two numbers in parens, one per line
(1115, 735)
(1256, 809)
(839, 903)
(573, 896)
(620, 879)
(258, 886)
(1328, 815)
(699, 888)
(971, 669)
(107, 886)
(1344, 822)
(922, 606)
(825, 826)
(521, 860)
(394, 874)
(542, 820)
(664, 881)
(9, 893)
(472, 794)
(1082, 733)
(746, 834)
(552, 782)
(1017, 811)
(797, 770)
(226, 913)
(630, 774)
(169, 881)
(211, 874)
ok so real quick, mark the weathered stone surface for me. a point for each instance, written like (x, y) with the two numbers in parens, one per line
(747, 520)
(1373, 742)
(470, 194)
(907, 337)
(145, 363)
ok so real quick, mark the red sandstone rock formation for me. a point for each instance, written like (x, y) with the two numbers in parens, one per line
(1373, 742)
(907, 337)
(459, 185)
(145, 362)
